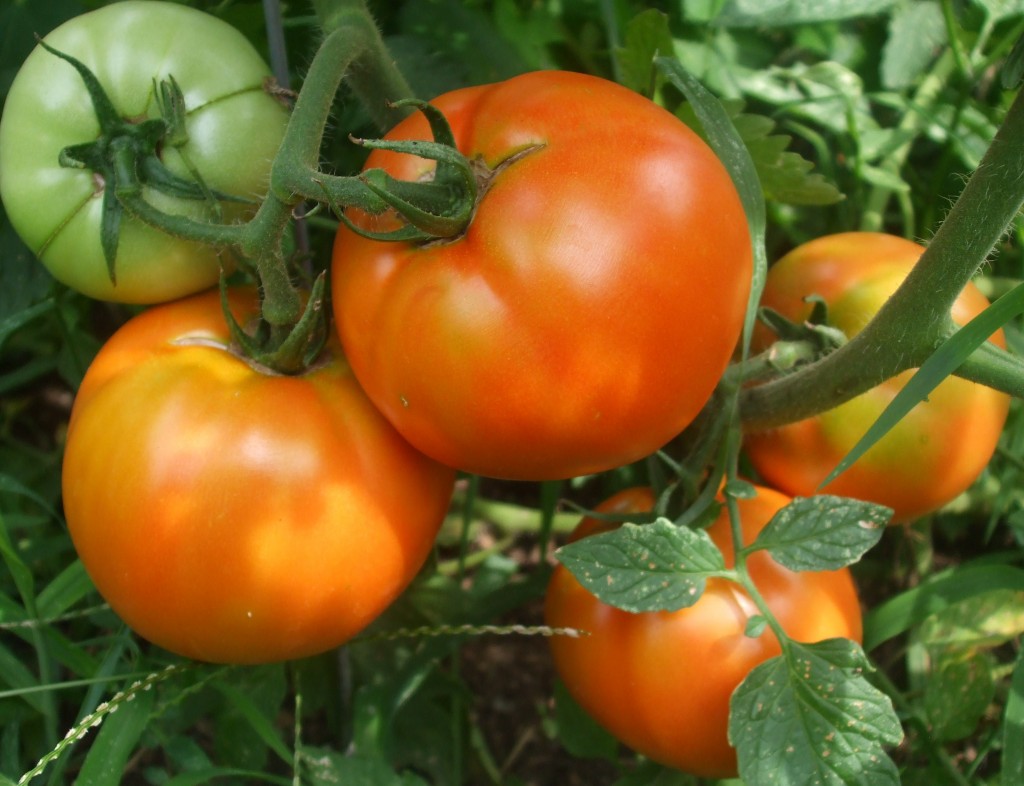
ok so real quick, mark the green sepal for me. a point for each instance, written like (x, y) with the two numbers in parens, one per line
(440, 208)
(814, 329)
(171, 101)
(300, 348)
(106, 114)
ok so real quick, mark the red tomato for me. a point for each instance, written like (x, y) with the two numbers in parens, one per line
(234, 515)
(934, 453)
(661, 681)
(589, 310)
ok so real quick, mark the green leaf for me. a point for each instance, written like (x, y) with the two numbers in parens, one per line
(823, 532)
(959, 689)
(916, 32)
(810, 716)
(650, 567)
(899, 614)
(120, 733)
(943, 362)
(580, 734)
(985, 621)
(647, 36)
(779, 13)
(1013, 727)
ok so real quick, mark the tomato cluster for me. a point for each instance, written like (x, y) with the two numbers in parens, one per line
(580, 322)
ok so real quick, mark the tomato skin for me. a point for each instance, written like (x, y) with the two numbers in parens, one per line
(661, 681)
(236, 516)
(589, 310)
(942, 445)
(234, 127)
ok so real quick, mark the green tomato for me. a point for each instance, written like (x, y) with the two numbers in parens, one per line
(234, 128)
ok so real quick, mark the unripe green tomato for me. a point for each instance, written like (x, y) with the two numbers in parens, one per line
(234, 129)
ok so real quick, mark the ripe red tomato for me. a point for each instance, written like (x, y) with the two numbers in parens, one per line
(661, 681)
(587, 313)
(934, 453)
(234, 515)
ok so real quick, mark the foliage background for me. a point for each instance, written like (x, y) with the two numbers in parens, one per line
(886, 104)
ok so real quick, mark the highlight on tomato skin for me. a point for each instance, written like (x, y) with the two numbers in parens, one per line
(661, 681)
(585, 316)
(236, 516)
(930, 457)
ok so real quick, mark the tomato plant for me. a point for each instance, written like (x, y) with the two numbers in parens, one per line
(590, 308)
(930, 456)
(661, 681)
(232, 515)
(233, 127)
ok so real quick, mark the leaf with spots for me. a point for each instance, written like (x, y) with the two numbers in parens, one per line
(823, 532)
(650, 567)
(809, 716)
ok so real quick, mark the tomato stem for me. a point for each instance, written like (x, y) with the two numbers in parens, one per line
(916, 319)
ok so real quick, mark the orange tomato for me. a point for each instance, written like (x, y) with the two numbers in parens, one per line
(661, 681)
(590, 308)
(233, 515)
(937, 451)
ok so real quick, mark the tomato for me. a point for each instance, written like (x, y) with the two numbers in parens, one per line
(234, 128)
(937, 450)
(234, 515)
(588, 311)
(661, 681)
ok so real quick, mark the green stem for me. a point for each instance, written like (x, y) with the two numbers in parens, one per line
(374, 76)
(916, 319)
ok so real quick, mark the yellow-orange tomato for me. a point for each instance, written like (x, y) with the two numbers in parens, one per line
(590, 308)
(937, 450)
(234, 515)
(661, 681)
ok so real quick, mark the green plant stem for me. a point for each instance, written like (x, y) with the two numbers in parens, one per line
(917, 319)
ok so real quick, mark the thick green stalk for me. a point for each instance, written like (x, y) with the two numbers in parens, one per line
(916, 319)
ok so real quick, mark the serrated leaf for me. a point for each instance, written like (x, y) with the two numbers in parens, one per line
(823, 532)
(653, 567)
(810, 716)
(647, 36)
(785, 175)
(779, 13)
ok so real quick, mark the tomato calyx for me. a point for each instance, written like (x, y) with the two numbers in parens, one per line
(435, 209)
(283, 349)
(125, 157)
